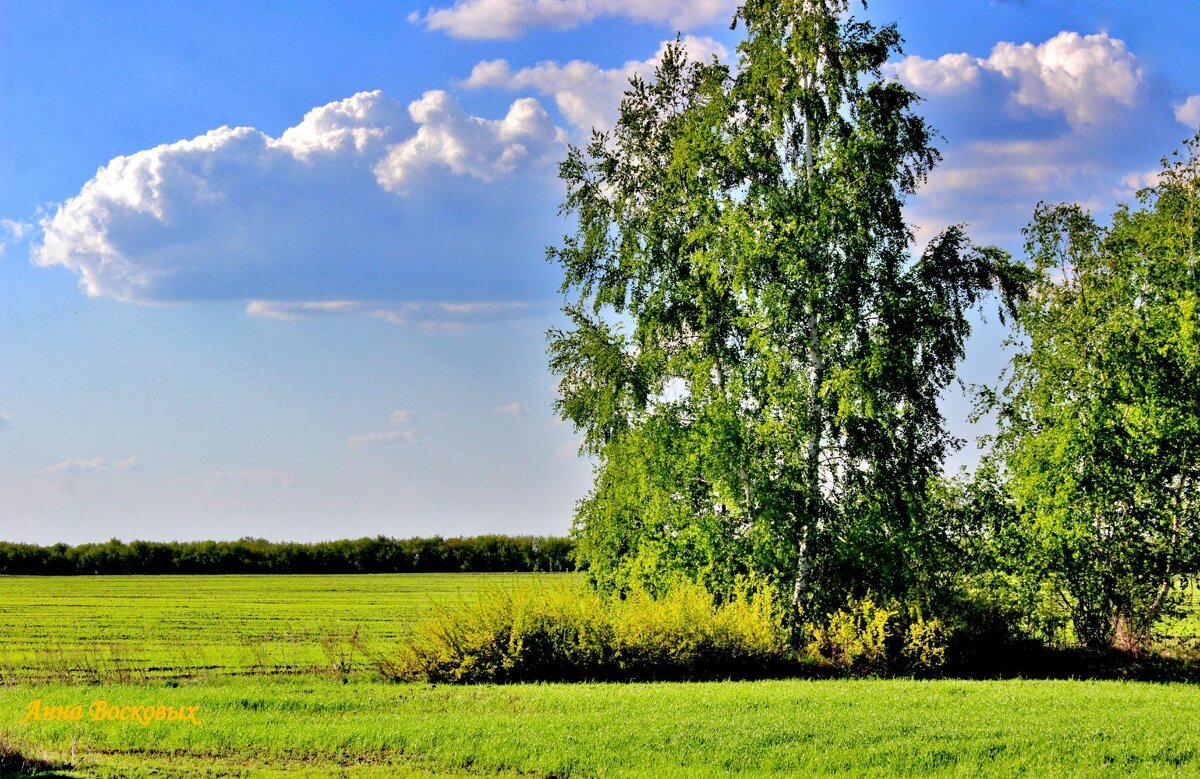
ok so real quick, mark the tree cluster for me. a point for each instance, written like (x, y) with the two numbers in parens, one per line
(478, 554)
(756, 350)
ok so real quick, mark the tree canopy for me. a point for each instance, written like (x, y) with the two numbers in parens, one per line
(1100, 420)
(755, 351)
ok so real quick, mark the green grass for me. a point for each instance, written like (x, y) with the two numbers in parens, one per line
(780, 728)
(248, 651)
(143, 627)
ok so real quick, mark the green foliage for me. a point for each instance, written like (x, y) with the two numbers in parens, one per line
(925, 644)
(491, 553)
(576, 633)
(855, 637)
(863, 637)
(752, 353)
(1100, 419)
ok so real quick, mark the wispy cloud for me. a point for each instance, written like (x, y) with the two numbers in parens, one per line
(250, 477)
(512, 409)
(382, 437)
(497, 19)
(6, 422)
(95, 465)
(401, 419)
(427, 316)
(11, 231)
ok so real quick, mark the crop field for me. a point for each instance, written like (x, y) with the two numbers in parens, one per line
(129, 628)
(251, 657)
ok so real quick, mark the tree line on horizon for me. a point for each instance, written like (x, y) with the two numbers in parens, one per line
(475, 554)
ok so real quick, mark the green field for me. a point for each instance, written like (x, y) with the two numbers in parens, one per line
(781, 728)
(132, 628)
(190, 641)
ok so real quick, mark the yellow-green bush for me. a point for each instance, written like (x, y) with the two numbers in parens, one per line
(855, 638)
(925, 644)
(575, 633)
(867, 638)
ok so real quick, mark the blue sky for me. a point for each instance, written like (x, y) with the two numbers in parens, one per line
(277, 269)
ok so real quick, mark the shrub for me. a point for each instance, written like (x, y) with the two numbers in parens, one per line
(571, 633)
(925, 644)
(854, 639)
(684, 633)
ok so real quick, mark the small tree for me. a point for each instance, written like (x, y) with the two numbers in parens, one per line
(755, 356)
(1100, 420)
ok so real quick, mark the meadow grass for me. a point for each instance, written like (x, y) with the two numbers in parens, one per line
(130, 628)
(249, 652)
(261, 726)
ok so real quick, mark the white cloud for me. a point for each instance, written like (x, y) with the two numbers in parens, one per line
(381, 437)
(95, 465)
(363, 200)
(11, 230)
(1086, 78)
(948, 74)
(586, 94)
(401, 418)
(1081, 76)
(467, 145)
(1188, 112)
(1132, 182)
(427, 316)
(514, 408)
(6, 421)
(250, 477)
(493, 19)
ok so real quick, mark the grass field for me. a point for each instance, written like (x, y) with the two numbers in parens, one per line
(248, 652)
(256, 726)
(131, 628)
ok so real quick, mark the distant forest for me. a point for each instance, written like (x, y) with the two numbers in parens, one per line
(479, 554)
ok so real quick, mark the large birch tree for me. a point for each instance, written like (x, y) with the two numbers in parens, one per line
(755, 352)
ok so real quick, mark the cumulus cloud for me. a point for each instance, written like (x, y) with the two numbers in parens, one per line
(495, 19)
(250, 477)
(1064, 120)
(1085, 78)
(468, 145)
(587, 95)
(95, 465)
(1188, 112)
(948, 74)
(512, 409)
(363, 200)
(401, 416)
(5, 421)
